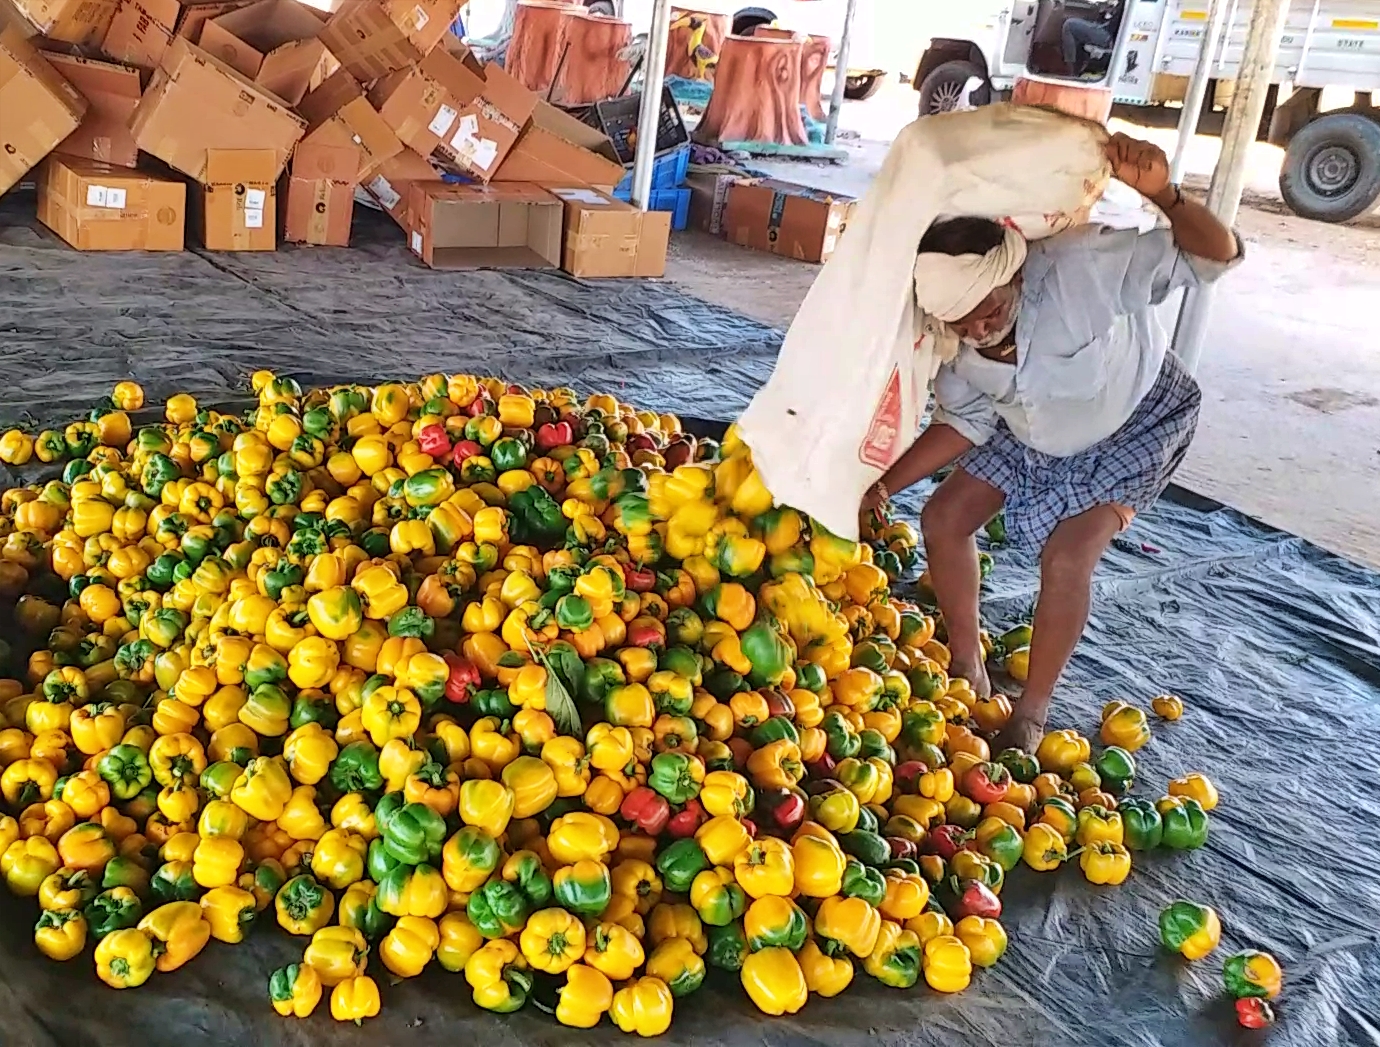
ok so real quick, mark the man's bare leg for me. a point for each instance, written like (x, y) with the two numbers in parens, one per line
(949, 520)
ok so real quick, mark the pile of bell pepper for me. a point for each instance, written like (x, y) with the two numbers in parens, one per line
(515, 683)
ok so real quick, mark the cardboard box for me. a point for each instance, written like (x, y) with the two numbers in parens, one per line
(511, 226)
(338, 114)
(556, 148)
(442, 107)
(112, 92)
(604, 237)
(80, 22)
(140, 32)
(317, 211)
(272, 43)
(96, 206)
(38, 108)
(708, 195)
(196, 103)
(391, 186)
(235, 209)
(372, 38)
(785, 218)
(195, 15)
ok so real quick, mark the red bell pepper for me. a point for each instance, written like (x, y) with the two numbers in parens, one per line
(646, 809)
(946, 840)
(824, 767)
(973, 898)
(479, 405)
(907, 776)
(465, 449)
(779, 702)
(642, 442)
(463, 681)
(639, 579)
(687, 821)
(679, 451)
(555, 434)
(1253, 1012)
(646, 632)
(750, 826)
(433, 440)
(784, 809)
(986, 783)
(901, 848)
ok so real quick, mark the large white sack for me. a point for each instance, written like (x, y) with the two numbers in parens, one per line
(852, 380)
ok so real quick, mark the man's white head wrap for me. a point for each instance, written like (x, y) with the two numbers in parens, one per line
(949, 287)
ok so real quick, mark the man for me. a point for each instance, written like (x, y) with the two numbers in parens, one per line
(1062, 405)
(1081, 33)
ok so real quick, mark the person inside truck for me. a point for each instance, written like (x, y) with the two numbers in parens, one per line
(1085, 39)
(1063, 407)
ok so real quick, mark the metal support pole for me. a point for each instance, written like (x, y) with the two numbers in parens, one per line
(649, 115)
(831, 126)
(1229, 177)
(1197, 88)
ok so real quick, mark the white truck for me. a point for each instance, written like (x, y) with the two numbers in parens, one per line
(1144, 52)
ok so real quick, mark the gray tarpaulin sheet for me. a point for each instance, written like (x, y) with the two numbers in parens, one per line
(1274, 644)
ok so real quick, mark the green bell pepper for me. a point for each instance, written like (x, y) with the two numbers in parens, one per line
(378, 862)
(126, 770)
(723, 684)
(872, 743)
(840, 741)
(219, 778)
(1141, 823)
(281, 575)
(601, 676)
(173, 882)
(1022, 766)
(413, 835)
(493, 703)
(412, 622)
(1185, 823)
(1117, 769)
(112, 910)
(728, 946)
(356, 769)
(526, 871)
(536, 518)
(284, 488)
(680, 863)
(507, 454)
(157, 473)
(427, 487)
(497, 909)
(584, 888)
(160, 572)
(790, 934)
(375, 542)
(308, 709)
(773, 729)
(868, 847)
(682, 661)
(673, 776)
(861, 882)
(573, 613)
(768, 652)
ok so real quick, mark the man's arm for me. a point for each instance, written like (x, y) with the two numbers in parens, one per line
(1196, 230)
(939, 445)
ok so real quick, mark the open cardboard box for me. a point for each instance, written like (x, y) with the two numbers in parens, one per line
(274, 43)
(38, 108)
(510, 226)
(112, 92)
(557, 149)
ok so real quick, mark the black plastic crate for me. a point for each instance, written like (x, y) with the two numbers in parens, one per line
(617, 118)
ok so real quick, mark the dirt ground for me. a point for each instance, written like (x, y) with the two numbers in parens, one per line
(1291, 373)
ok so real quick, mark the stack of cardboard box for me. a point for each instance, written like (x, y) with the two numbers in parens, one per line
(251, 119)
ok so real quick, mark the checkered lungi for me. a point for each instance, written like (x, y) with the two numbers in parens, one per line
(1130, 468)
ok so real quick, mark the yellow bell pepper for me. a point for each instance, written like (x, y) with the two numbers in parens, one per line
(774, 981)
(906, 896)
(391, 712)
(677, 962)
(178, 932)
(295, 990)
(60, 934)
(569, 765)
(765, 867)
(264, 788)
(380, 593)
(216, 861)
(722, 839)
(1096, 824)
(309, 751)
(552, 940)
(492, 745)
(459, 940)
(819, 864)
(228, 911)
(824, 975)
(338, 858)
(303, 906)
(312, 662)
(497, 975)
(488, 805)
(1105, 863)
(410, 945)
(1060, 750)
(613, 950)
(301, 818)
(585, 997)
(643, 1007)
(578, 836)
(848, 923)
(337, 612)
(947, 964)
(533, 785)
(985, 939)
(1196, 786)
(355, 999)
(336, 954)
(125, 958)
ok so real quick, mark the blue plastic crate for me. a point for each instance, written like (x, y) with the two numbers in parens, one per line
(668, 170)
(677, 201)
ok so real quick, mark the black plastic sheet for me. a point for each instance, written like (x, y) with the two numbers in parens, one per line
(1274, 645)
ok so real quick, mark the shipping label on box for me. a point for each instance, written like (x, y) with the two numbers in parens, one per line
(38, 108)
(112, 92)
(195, 103)
(96, 206)
(511, 226)
(237, 204)
(391, 186)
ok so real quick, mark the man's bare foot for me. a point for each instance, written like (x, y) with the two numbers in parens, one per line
(1023, 731)
(975, 673)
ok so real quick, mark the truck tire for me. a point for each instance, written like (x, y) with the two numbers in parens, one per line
(942, 90)
(601, 7)
(749, 18)
(1331, 169)
(861, 88)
